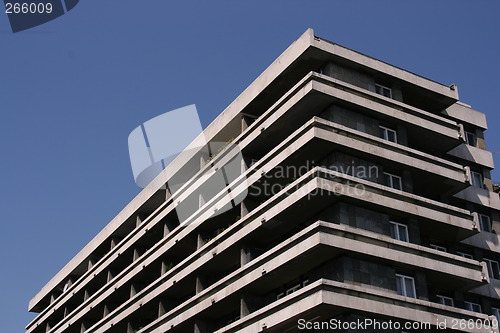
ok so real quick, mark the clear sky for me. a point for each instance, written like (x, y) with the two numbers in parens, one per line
(73, 89)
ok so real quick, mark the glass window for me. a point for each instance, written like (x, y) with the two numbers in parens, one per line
(493, 268)
(399, 231)
(470, 139)
(393, 181)
(383, 90)
(405, 286)
(445, 300)
(477, 179)
(472, 306)
(438, 247)
(465, 255)
(496, 313)
(388, 134)
(484, 222)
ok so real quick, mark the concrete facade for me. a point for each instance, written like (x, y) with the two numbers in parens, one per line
(365, 194)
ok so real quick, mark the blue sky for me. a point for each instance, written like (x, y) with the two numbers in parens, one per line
(73, 89)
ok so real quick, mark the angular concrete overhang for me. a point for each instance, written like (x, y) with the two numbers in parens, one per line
(480, 196)
(325, 299)
(306, 54)
(491, 290)
(466, 114)
(488, 241)
(473, 154)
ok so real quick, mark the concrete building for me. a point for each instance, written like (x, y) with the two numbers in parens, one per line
(365, 194)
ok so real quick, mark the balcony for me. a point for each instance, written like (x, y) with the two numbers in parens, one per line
(307, 249)
(325, 299)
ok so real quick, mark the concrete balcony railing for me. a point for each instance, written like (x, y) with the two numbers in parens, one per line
(320, 242)
(456, 222)
(447, 174)
(325, 299)
(227, 240)
(474, 155)
(386, 107)
(295, 107)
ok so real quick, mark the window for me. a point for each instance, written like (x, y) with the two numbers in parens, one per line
(445, 300)
(399, 231)
(477, 179)
(472, 306)
(393, 181)
(383, 90)
(438, 247)
(484, 222)
(405, 286)
(465, 255)
(388, 134)
(493, 268)
(496, 313)
(293, 289)
(470, 139)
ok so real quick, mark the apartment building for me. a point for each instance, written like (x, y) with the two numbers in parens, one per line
(364, 193)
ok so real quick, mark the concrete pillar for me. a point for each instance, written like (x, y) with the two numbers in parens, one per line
(421, 286)
(201, 200)
(407, 181)
(54, 296)
(402, 136)
(246, 207)
(67, 311)
(249, 304)
(86, 294)
(135, 288)
(168, 193)
(130, 327)
(165, 305)
(114, 242)
(246, 255)
(414, 231)
(166, 265)
(168, 227)
(92, 261)
(202, 239)
(246, 121)
(201, 283)
(137, 253)
(202, 326)
(108, 308)
(138, 220)
(85, 325)
(111, 274)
